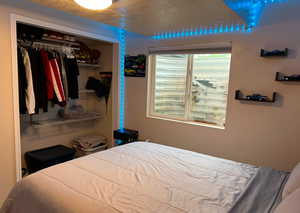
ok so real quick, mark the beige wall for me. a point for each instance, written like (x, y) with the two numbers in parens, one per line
(7, 161)
(7, 154)
(255, 133)
(105, 125)
(260, 134)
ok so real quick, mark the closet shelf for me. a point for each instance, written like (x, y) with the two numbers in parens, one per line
(63, 42)
(91, 66)
(60, 121)
(87, 91)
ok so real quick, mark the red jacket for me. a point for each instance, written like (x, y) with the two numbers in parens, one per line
(58, 86)
(47, 70)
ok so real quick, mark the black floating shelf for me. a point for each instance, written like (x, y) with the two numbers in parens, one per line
(239, 96)
(274, 53)
(282, 77)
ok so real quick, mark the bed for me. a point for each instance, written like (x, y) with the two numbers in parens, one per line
(147, 177)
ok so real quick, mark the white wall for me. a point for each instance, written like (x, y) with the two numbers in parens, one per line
(7, 153)
(256, 133)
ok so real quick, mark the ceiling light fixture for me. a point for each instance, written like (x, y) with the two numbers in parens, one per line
(94, 4)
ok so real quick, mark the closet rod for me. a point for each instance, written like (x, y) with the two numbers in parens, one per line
(47, 44)
(39, 43)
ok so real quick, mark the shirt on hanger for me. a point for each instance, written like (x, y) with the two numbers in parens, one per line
(30, 98)
(56, 79)
(22, 83)
(48, 76)
(63, 74)
(72, 72)
(39, 80)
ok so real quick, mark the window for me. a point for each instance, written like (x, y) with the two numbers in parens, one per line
(189, 87)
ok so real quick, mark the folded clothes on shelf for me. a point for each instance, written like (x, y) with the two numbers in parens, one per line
(90, 143)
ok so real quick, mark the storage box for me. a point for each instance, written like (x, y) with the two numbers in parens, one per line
(43, 158)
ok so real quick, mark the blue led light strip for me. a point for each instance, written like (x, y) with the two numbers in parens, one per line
(218, 29)
(122, 52)
(252, 8)
(247, 4)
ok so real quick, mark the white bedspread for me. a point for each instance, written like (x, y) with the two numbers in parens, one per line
(138, 177)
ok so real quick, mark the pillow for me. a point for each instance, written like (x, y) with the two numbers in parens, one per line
(293, 182)
(290, 204)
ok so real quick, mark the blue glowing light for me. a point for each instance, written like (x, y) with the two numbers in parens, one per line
(251, 10)
(217, 29)
(122, 52)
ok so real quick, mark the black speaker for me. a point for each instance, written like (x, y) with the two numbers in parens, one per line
(124, 136)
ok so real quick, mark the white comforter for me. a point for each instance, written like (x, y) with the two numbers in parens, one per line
(138, 177)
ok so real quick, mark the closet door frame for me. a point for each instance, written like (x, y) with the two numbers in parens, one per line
(14, 19)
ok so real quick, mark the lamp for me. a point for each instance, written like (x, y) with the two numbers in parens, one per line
(94, 4)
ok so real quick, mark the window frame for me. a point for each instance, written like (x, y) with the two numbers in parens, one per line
(150, 113)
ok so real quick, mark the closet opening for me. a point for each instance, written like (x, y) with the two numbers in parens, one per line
(67, 92)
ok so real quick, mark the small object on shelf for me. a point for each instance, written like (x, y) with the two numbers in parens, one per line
(124, 136)
(102, 86)
(87, 55)
(265, 53)
(43, 158)
(255, 97)
(282, 77)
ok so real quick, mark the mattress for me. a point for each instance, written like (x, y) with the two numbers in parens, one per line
(140, 177)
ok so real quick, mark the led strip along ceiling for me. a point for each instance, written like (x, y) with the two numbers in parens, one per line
(250, 10)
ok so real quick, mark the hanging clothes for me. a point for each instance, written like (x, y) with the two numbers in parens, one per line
(22, 83)
(45, 76)
(30, 98)
(39, 80)
(56, 79)
(48, 76)
(63, 74)
(72, 72)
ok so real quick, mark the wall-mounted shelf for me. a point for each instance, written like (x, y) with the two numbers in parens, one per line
(239, 96)
(274, 53)
(60, 121)
(282, 77)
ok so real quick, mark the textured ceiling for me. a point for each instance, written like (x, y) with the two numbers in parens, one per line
(151, 16)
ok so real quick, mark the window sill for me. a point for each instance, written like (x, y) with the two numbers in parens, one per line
(186, 122)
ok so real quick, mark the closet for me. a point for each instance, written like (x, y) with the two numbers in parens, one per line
(65, 88)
